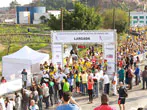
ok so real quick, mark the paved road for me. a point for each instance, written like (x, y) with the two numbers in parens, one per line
(137, 98)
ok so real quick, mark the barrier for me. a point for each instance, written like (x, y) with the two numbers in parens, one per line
(10, 86)
(142, 56)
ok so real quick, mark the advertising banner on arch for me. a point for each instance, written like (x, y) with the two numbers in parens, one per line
(83, 37)
(57, 54)
(109, 55)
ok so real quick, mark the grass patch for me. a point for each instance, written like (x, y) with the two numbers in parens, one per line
(16, 47)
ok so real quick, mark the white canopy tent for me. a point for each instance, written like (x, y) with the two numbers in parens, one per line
(25, 58)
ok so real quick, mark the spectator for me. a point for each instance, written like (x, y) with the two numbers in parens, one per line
(66, 103)
(122, 96)
(25, 99)
(90, 90)
(33, 106)
(41, 67)
(144, 77)
(66, 86)
(121, 74)
(84, 82)
(9, 104)
(24, 78)
(51, 90)
(96, 81)
(40, 93)
(2, 102)
(104, 103)
(130, 77)
(77, 80)
(70, 81)
(114, 84)
(46, 66)
(106, 83)
(46, 94)
(17, 102)
(137, 71)
(51, 67)
(3, 80)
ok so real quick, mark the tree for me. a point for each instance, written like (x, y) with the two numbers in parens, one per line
(43, 19)
(82, 18)
(121, 20)
(13, 4)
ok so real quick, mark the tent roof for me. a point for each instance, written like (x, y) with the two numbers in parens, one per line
(26, 54)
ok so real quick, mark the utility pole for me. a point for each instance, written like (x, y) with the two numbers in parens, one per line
(114, 18)
(129, 23)
(62, 19)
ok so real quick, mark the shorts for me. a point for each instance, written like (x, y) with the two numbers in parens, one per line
(121, 100)
(77, 84)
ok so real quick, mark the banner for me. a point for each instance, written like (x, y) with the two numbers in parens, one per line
(109, 52)
(10, 86)
(83, 37)
(57, 55)
(109, 55)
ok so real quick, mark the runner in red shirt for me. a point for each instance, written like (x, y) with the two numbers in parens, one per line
(104, 105)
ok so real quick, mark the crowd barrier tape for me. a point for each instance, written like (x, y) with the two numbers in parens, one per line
(10, 86)
(142, 56)
(14, 85)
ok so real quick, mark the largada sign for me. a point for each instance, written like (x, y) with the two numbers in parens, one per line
(83, 37)
(107, 38)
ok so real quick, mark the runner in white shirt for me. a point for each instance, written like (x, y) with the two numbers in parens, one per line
(66, 69)
(106, 80)
(2, 103)
(114, 83)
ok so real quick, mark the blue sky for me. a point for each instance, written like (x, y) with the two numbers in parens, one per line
(5, 3)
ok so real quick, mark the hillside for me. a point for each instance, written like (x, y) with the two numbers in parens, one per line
(101, 4)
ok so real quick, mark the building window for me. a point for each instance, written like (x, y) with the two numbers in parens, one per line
(141, 21)
(134, 22)
(135, 17)
(141, 17)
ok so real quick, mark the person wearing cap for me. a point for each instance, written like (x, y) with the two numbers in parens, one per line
(104, 103)
(68, 103)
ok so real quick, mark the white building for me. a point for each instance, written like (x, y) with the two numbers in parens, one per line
(138, 18)
(56, 13)
(37, 16)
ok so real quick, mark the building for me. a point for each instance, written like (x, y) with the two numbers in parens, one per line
(25, 14)
(37, 16)
(138, 18)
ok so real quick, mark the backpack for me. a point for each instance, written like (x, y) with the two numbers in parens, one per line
(125, 92)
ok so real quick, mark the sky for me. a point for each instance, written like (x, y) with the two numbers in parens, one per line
(5, 3)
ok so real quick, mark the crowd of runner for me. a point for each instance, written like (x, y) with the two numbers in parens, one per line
(85, 76)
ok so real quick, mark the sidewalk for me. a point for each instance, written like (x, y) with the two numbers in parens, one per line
(136, 98)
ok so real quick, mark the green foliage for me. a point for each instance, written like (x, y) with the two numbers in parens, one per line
(55, 4)
(5, 28)
(54, 23)
(15, 47)
(121, 20)
(13, 4)
(14, 37)
(82, 18)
